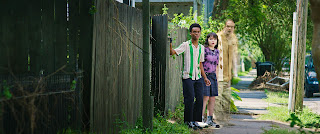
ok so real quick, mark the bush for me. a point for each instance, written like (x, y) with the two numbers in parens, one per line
(247, 64)
(235, 80)
(160, 123)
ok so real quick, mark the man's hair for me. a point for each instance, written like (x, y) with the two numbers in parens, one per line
(194, 25)
(229, 20)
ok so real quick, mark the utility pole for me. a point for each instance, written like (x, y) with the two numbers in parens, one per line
(147, 112)
(298, 82)
(293, 65)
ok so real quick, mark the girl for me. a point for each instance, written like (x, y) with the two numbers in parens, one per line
(210, 65)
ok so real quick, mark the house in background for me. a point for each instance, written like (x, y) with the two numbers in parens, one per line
(128, 2)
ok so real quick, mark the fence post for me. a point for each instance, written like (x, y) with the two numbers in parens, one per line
(147, 120)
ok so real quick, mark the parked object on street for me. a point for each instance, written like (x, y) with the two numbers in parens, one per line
(262, 67)
(311, 84)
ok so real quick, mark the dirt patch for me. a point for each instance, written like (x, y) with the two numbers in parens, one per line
(260, 83)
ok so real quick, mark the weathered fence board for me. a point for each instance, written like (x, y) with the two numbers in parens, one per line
(85, 56)
(174, 67)
(117, 66)
(166, 71)
(43, 59)
(60, 35)
(159, 47)
(37, 38)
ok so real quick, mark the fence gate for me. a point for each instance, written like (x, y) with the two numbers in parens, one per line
(166, 82)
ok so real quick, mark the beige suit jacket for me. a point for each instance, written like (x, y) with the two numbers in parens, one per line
(228, 47)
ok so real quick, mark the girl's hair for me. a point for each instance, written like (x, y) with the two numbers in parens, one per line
(214, 35)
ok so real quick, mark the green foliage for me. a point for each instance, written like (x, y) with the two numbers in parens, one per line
(266, 24)
(247, 63)
(71, 131)
(178, 114)
(306, 118)
(263, 27)
(5, 90)
(277, 97)
(243, 73)
(276, 113)
(235, 96)
(279, 131)
(160, 123)
(233, 107)
(92, 9)
(73, 85)
(186, 20)
(280, 113)
(296, 121)
(165, 9)
(235, 80)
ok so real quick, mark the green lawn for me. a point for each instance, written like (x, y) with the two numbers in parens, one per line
(281, 113)
(235, 80)
(243, 73)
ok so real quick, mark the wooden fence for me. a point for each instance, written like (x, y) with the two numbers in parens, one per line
(49, 42)
(166, 85)
(117, 66)
(83, 61)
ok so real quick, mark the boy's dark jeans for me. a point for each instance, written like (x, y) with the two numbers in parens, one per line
(193, 109)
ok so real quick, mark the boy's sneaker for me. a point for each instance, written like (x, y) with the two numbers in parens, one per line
(197, 125)
(203, 125)
(192, 125)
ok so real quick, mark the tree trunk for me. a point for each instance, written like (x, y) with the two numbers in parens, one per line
(315, 8)
(302, 12)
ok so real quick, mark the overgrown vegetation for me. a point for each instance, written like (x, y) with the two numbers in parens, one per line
(161, 123)
(235, 96)
(5, 90)
(280, 131)
(235, 80)
(306, 118)
(296, 121)
(243, 73)
(277, 97)
(263, 27)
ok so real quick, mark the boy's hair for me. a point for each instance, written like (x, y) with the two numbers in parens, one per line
(214, 35)
(194, 25)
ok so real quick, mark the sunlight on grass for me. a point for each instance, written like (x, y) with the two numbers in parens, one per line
(277, 97)
(281, 113)
(243, 73)
(276, 113)
(235, 80)
(280, 131)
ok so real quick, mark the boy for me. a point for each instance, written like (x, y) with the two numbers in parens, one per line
(193, 56)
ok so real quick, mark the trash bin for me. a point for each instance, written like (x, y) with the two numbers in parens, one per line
(262, 67)
(257, 67)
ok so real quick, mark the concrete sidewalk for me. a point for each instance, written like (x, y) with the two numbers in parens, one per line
(251, 106)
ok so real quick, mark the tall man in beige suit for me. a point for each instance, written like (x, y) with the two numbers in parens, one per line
(228, 47)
